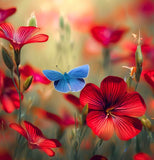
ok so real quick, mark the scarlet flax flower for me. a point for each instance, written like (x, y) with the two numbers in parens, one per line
(98, 157)
(5, 13)
(111, 108)
(23, 35)
(35, 138)
(9, 97)
(149, 77)
(107, 35)
(142, 156)
(38, 77)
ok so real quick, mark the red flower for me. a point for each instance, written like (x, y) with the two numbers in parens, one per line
(74, 100)
(142, 156)
(5, 13)
(9, 97)
(38, 77)
(35, 137)
(98, 157)
(65, 121)
(106, 35)
(111, 108)
(149, 77)
(22, 36)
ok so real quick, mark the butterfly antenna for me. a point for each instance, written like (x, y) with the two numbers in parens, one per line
(59, 68)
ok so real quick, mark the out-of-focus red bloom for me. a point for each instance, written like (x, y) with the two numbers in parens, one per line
(38, 77)
(146, 8)
(9, 97)
(64, 122)
(98, 157)
(149, 77)
(35, 138)
(107, 35)
(5, 13)
(24, 35)
(142, 156)
(4, 155)
(74, 100)
(111, 108)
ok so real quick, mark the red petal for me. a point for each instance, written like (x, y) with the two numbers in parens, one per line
(91, 95)
(113, 88)
(98, 157)
(74, 100)
(142, 156)
(127, 127)
(49, 143)
(4, 13)
(33, 132)
(131, 104)
(100, 124)
(25, 33)
(48, 151)
(38, 38)
(102, 34)
(117, 35)
(19, 129)
(149, 77)
(7, 104)
(7, 31)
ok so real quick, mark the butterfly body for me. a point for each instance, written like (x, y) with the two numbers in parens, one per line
(71, 81)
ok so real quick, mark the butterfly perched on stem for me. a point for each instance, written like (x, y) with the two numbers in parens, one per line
(71, 81)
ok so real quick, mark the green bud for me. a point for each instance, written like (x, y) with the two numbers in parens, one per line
(61, 22)
(139, 61)
(84, 113)
(27, 83)
(7, 58)
(32, 20)
(146, 123)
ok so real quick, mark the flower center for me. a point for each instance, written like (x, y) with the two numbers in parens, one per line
(109, 111)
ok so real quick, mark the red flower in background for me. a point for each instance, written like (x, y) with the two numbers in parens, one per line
(24, 35)
(5, 13)
(98, 157)
(111, 108)
(65, 121)
(142, 156)
(149, 77)
(35, 138)
(106, 35)
(9, 97)
(38, 77)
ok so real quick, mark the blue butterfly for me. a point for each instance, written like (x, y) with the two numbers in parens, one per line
(71, 81)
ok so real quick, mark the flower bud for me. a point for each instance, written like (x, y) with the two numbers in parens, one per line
(7, 59)
(32, 20)
(139, 61)
(27, 83)
(84, 114)
(146, 123)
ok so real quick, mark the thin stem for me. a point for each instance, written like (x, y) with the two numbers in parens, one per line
(136, 86)
(18, 74)
(12, 77)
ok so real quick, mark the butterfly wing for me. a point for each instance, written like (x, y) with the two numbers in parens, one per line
(62, 85)
(79, 72)
(76, 84)
(53, 75)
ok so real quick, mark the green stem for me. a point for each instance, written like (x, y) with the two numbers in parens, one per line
(106, 56)
(18, 74)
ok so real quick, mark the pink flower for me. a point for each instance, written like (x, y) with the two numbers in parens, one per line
(9, 97)
(23, 35)
(5, 13)
(142, 156)
(38, 77)
(111, 108)
(35, 138)
(107, 35)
